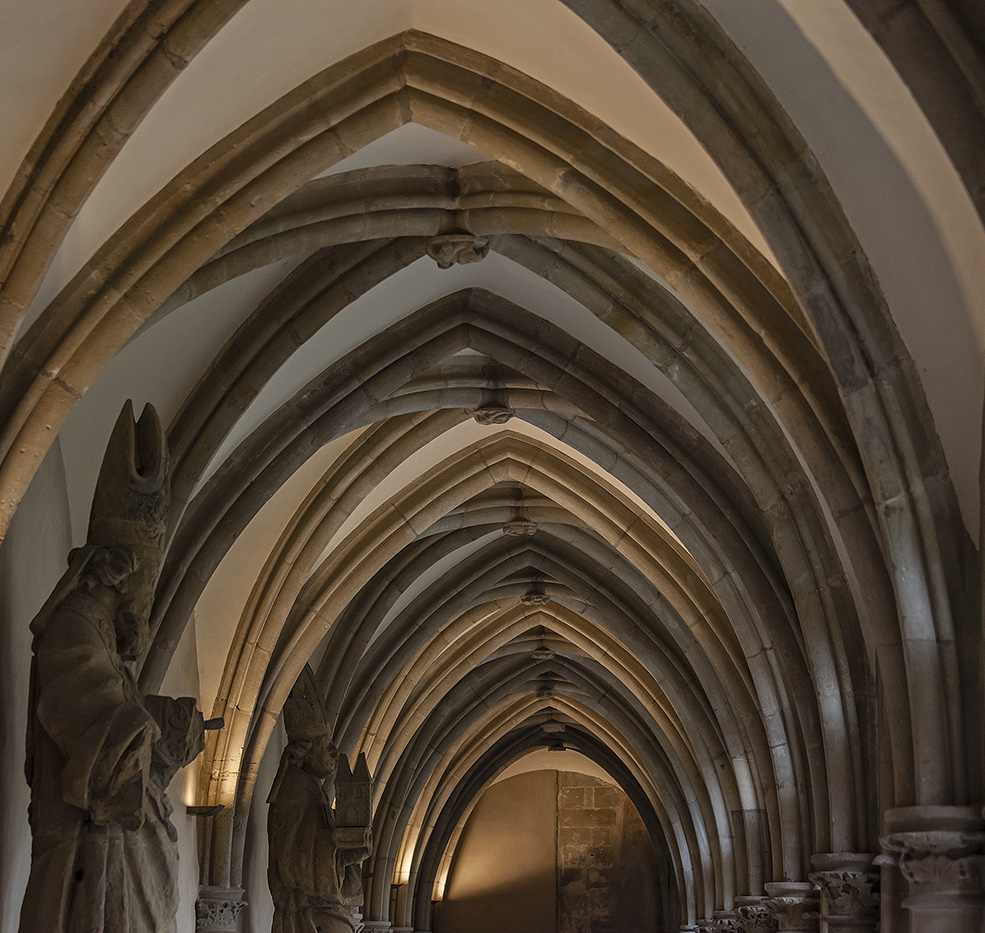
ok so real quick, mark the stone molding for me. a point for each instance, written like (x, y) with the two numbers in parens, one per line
(217, 909)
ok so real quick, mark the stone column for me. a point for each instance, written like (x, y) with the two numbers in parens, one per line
(849, 886)
(376, 926)
(754, 917)
(217, 909)
(795, 905)
(705, 926)
(942, 856)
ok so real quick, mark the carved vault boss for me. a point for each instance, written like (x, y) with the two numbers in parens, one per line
(316, 851)
(99, 755)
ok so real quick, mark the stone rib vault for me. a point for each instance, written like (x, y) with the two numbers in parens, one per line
(679, 453)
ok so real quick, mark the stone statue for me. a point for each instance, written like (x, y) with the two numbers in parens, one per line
(316, 851)
(99, 755)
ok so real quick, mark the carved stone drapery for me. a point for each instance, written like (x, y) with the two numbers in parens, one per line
(217, 909)
(849, 886)
(940, 852)
(795, 905)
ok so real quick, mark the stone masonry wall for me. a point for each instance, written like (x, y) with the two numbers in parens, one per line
(606, 866)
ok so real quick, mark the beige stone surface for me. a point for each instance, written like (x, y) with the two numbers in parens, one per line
(607, 373)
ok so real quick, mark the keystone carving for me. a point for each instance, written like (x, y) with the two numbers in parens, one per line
(451, 249)
(520, 527)
(491, 414)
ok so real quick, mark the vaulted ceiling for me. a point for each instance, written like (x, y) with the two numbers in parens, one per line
(687, 462)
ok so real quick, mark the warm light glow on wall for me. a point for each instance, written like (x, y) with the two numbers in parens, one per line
(189, 783)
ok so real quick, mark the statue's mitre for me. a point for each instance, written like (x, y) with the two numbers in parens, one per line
(130, 504)
(304, 712)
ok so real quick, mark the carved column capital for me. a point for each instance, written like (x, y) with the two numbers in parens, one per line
(940, 852)
(849, 886)
(217, 909)
(726, 921)
(795, 905)
(944, 862)
(756, 918)
(705, 926)
(847, 892)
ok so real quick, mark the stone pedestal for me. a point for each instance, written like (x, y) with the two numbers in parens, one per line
(795, 905)
(217, 909)
(849, 887)
(941, 854)
(754, 917)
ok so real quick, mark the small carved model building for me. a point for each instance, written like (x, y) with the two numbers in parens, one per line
(353, 801)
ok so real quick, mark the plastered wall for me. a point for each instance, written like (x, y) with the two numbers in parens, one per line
(32, 560)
